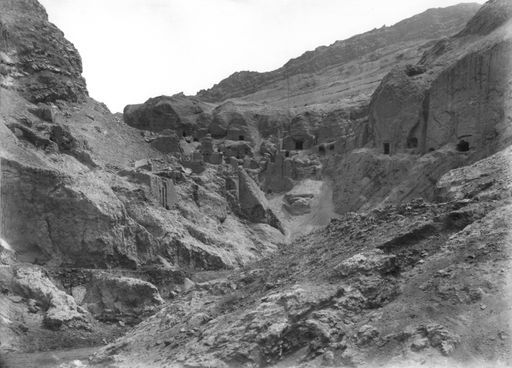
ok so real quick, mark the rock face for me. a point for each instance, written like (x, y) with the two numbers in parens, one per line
(368, 179)
(397, 113)
(60, 308)
(481, 123)
(492, 15)
(299, 137)
(68, 170)
(229, 121)
(42, 63)
(426, 110)
(167, 142)
(121, 298)
(178, 113)
(253, 203)
(300, 72)
(85, 223)
(450, 108)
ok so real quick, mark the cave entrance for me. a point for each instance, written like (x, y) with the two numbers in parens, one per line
(241, 138)
(299, 145)
(463, 146)
(321, 149)
(412, 142)
(386, 148)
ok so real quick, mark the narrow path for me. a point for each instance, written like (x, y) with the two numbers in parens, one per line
(48, 359)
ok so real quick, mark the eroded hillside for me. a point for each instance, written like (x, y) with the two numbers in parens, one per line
(418, 284)
(346, 72)
(349, 209)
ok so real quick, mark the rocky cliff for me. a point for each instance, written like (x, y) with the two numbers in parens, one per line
(449, 109)
(36, 57)
(340, 211)
(81, 189)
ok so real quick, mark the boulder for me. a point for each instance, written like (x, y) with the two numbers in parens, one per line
(144, 164)
(372, 261)
(7, 254)
(297, 205)
(232, 121)
(167, 143)
(45, 112)
(181, 114)
(440, 337)
(114, 298)
(303, 197)
(60, 308)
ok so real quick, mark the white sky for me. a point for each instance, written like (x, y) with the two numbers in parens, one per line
(136, 49)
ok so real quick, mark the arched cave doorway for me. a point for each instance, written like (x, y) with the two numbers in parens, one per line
(386, 148)
(463, 146)
(412, 142)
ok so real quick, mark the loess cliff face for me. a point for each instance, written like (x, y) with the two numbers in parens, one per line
(425, 119)
(457, 91)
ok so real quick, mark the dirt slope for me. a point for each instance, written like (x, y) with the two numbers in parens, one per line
(414, 284)
(347, 71)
